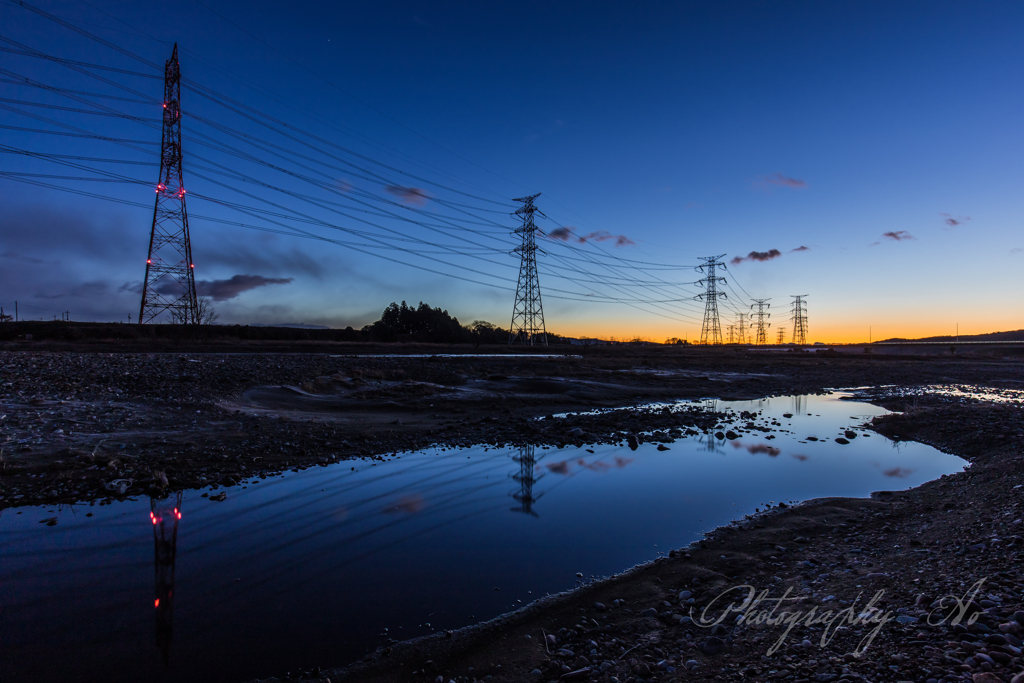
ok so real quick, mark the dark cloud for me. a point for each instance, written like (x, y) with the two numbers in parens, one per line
(898, 235)
(409, 195)
(222, 290)
(784, 181)
(565, 234)
(757, 256)
(800, 248)
(86, 289)
(272, 260)
(18, 257)
(953, 221)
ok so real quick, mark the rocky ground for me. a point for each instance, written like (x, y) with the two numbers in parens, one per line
(84, 426)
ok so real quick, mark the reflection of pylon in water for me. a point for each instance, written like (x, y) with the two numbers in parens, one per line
(527, 478)
(165, 514)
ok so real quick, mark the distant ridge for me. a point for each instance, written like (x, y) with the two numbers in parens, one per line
(1016, 335)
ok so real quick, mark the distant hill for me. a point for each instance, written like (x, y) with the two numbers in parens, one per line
(1016, 335)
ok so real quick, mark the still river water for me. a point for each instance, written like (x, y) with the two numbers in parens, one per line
(318, 567)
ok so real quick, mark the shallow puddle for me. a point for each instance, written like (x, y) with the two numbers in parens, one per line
(318, 567)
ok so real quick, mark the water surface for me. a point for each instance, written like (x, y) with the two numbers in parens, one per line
(316, 568)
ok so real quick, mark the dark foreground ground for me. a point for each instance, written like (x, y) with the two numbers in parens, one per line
(79, 425)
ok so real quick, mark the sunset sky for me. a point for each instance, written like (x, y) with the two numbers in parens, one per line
(866, 154)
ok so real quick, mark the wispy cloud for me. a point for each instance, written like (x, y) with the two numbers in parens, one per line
(800, 248)
(953, 221)
(222, 290)
(784, 181)
(757, 256)
(566, 234)
(1016, 250)
(409, 195)
(898, 235)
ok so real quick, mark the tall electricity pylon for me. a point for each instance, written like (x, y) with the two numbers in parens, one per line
(170, 283)
(711, 330)
(781, 336)
(526, 478)
(732, 333)
(799, 319)
(761, 336)
(165, 513)
(528, 312)
(741, 337)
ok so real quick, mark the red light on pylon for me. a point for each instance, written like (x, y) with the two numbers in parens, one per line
(191, 265)
(149, 261)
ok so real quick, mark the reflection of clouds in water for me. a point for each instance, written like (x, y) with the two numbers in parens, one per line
(898, 472)
(411, 504)
(558, 467)
(758, 448)
(801, 458)
(596, 466)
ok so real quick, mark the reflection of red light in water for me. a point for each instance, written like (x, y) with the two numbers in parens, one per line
(177, 513)
(156, 603)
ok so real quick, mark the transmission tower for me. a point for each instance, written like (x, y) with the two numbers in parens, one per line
(165, 514)
(170, 283)
(761, 336)
(781, 336)
(527, 463)
(741, 337)
(528, 313)
(732, 333)
(711, 330)
(799, 319)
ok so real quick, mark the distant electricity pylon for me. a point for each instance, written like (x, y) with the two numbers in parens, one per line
(528, 312)
(761, 336)
(741, 337)
(526, 478)
(711, 330)
(732, 333)
(799, 319)
(170, 283)
(781, 336)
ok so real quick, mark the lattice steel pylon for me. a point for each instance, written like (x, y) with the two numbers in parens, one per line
(526, 479)
(165, 514)
(761, 335)
(799, 319)
(170, 283)
(528, 312)
(711, 330)
(732, 333)
(781, 338)
(741, 336)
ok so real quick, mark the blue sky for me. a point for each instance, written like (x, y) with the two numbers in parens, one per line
(691, 129)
